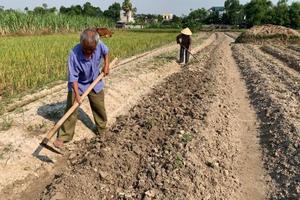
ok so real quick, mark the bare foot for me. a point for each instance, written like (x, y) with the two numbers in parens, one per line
(58, 143)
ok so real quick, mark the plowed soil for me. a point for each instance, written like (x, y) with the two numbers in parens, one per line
(226, 127)
(163, 148)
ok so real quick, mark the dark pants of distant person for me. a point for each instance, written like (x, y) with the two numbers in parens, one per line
(184, 55)
(67, 130)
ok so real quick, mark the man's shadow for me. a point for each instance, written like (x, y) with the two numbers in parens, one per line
(55, 112)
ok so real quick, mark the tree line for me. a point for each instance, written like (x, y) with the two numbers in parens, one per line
(255, 12)
(258, 12)
(87, 9)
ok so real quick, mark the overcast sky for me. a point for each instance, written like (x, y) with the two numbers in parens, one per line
(178, 7)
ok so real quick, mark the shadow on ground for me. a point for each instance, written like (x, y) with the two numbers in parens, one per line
(55, 112)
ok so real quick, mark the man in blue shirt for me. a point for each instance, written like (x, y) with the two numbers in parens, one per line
(83, 68)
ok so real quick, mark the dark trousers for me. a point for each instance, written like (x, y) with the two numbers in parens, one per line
(184, 55)
(67, 130)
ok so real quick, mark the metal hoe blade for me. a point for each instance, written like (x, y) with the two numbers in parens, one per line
(50, 148)
(44, 144)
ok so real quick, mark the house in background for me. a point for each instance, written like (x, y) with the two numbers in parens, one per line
(127, 21)
(167, 16)
(126, 17)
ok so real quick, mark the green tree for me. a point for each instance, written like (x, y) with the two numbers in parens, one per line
(127, 6)
(76, 10)
(87, 9)
(195, 19)
(92, 11)
(294, 14)
(52, 10)
(146, 18)
(282, 13)
(39, 10)
(233, 12)
(113, 11)
(45, 6)
(176, 20)
(63, 10)
(258, 12)
(42, 9)
(214, 18)
(199, 15)
(160, 18)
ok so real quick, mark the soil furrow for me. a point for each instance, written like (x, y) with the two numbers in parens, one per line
(294, 47)
(226, 127)
(277, 70)
(144, 152)
(292, 60)
(30, 123)
(232, 35)
(180, 142)
(288, 50)
(279, 130)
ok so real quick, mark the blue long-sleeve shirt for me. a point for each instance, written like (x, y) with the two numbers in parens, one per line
(83, 70)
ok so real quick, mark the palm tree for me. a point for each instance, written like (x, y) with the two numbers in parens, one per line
(127, 7)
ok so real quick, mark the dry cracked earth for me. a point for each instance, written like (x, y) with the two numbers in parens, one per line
(226, 127)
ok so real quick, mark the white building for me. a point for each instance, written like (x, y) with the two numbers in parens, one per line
(126, 17)
(167, 16)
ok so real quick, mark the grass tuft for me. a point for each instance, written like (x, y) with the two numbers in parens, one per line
(6, 123)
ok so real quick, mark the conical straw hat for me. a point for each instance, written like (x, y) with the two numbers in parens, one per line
(186, 31)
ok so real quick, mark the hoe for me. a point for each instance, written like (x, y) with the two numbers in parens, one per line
(51, 133)
(190, 53)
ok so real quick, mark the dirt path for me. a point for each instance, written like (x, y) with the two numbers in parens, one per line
(195, 136)
(234, 119)
(124, 88)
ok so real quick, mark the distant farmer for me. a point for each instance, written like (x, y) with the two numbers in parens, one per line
(83, 68)
(184, 40)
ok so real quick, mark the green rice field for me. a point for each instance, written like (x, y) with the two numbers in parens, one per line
(18, 23)
(31, 62)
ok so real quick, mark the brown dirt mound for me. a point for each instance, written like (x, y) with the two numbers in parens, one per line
(268, 32)
(270, 29)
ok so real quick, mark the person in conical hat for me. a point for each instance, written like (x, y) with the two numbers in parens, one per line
(184, 40)
(186, 31)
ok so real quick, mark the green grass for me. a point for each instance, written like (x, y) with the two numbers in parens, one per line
(179, 161)
(4, 150)
(6, 124)
(187, 137)
(31, 62)
(18, 23)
